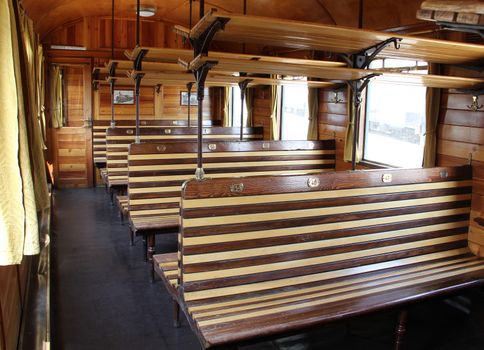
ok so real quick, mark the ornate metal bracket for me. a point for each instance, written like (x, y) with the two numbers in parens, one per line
(137, 85)
(202, 42)
(475, 107)
(112, 83)
(243, 89)
(138, 61)
(95, 78)
(363, 58)
(461, 27)
(200, 77)
(189, 90)
(112, 69)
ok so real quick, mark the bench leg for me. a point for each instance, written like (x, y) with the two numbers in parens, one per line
(152, 272)
(176, 314)
(145, 248)
(151, 242)
(131, 237)
(401, 329)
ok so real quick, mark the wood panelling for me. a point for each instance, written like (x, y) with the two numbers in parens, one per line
(147, 106)
(94, 33)
(333, 119)
(262, 110)
(460, 138)
(13, 287)
(154, 105)
(72, 159)
(73, 95)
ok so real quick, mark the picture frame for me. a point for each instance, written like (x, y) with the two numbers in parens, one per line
(184, 99)
(123, 97)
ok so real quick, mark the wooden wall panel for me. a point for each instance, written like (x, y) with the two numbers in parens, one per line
(333, 119)
(94, 33)
(74, 95)
(147, 106)
(262, 110)
(10, 306)
(72, 159)
(461, 138)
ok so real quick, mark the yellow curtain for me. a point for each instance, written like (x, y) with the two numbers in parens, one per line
(249, 104)
(350, 131)
(18, 212)
(226, 121)
(313, 106)
(33, 108)
(56, 107)
(274, 104)
(431, 119)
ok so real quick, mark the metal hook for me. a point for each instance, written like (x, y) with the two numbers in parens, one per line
(475, 104)
(336, 98)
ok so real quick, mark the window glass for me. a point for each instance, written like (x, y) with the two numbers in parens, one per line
(294, 113)
(236, 104)
(395, 124)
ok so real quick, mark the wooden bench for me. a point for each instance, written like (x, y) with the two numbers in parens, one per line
(265, 256)
(99, 132)
(158, 170)
(118, 141)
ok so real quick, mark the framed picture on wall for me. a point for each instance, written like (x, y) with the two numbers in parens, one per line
(184, 99)
(123, 97)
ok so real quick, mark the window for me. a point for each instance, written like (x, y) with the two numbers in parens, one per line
(294, 113)
(235, 105)
(394, 132)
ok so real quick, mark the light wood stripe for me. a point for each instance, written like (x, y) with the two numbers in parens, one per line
(325, 243)
(233, 154)
(292, 231)
(341, 287)
(224, 273)
(228, 165)
(293, 214)
(154, 200)
(358, 293)
(134, 214)
(240, 174)
(206, 308)
(294, 281)
(185, 136)
(245, 200)
(152, 189)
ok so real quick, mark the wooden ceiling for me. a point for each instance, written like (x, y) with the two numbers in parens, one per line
(51, 14)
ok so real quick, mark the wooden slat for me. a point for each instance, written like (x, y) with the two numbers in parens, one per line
(286, 33)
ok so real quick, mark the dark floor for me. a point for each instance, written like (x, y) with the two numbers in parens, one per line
(102, 297)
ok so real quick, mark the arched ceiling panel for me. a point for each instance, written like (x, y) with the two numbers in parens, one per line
(51, 14)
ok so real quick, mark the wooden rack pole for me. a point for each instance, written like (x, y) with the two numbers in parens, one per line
(202, 8)
(189, 88)
(112, 82)
(138, 8)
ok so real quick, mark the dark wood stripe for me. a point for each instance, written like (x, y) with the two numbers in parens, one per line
(261, 185)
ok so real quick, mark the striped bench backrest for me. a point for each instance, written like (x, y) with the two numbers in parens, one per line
(99, 131)
(243, 236)
(158, 170)
(118, 141)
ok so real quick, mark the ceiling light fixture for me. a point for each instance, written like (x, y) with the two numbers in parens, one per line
(146, 11)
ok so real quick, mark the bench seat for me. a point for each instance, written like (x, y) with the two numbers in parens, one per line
(166, 267)
(263, 256)
(350, 292)
(162, 223)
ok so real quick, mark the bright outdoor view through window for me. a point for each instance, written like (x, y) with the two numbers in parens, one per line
(295, 113)
(395, 119)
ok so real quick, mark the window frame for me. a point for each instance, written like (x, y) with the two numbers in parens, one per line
(364, 117)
